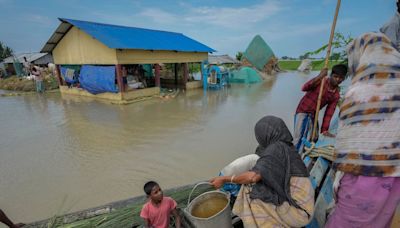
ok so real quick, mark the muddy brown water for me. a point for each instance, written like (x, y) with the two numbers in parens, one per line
(61, 155)
(210, 207)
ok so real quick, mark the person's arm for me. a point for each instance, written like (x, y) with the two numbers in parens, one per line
(311, 84)
(177, 218)
(330, 110)
(248, 177)
(144, 214)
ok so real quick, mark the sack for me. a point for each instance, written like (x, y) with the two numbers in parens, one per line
(240, 165)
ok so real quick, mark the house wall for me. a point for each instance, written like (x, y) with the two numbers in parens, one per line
(143, 57)
(82, 92)
(77, 47)
(126, 96)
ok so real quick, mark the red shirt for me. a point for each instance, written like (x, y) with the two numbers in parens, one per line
(158, 216)
(308, 103)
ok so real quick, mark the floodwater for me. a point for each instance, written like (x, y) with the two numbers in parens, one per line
(62, 155)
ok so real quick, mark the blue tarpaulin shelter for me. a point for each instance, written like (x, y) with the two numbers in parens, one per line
(98, 79)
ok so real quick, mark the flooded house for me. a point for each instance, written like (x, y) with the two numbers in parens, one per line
(121, 63)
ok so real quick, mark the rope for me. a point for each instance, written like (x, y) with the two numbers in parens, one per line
(326, 152)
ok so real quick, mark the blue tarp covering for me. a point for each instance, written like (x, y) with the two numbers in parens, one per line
(122, 37)
(98, 79)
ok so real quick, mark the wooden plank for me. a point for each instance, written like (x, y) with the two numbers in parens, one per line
(324, 200)
(396, 218)
(307, 161)
(318, 171)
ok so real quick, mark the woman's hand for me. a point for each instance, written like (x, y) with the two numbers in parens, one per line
(217, 182)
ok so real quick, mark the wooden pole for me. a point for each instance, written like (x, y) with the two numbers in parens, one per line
(328, 53)
(157, 75)
(59, 78)
(176, 74)
(120, 82)
(185, 73)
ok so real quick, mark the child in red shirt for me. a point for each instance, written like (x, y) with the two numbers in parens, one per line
(157, 210)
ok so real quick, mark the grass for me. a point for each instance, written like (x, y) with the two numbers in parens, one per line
(125, 216)
(22, 84)
(316, 64)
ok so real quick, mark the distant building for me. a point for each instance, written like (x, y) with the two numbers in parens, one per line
(40, 59)
(221, 59)
(118, 52)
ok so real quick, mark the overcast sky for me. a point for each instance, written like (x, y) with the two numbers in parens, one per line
(290, 27)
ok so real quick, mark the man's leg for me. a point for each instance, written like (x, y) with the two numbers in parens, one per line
(302, 123)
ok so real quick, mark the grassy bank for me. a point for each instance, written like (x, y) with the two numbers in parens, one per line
(119, 214)
(294, 64)
(22, 84)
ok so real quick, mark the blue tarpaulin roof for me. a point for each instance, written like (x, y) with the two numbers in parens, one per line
(123, 37)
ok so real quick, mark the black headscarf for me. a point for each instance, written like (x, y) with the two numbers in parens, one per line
(278, 162)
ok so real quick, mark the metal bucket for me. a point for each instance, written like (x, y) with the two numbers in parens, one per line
(221, 219)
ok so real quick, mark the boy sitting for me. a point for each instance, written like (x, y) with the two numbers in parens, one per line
(157, 210)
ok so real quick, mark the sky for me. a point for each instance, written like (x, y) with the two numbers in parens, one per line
(290, 27)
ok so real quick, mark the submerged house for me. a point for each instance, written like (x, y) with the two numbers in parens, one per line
(119, 62)
(260, 56)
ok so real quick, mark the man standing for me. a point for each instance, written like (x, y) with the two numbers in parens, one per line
(306, 109)
(38, 78)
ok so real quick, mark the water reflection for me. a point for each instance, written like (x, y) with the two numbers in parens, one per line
(90, 152)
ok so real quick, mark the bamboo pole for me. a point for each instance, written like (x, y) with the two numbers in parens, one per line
(328, 53)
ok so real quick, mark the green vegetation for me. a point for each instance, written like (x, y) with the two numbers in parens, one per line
(338, 55)
(22, 84)
(239, 55)
(316, 64)
(338, 52)
(5, 51)
(126, 216)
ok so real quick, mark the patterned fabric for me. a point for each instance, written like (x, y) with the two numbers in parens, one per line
(368, 140)
(256, 213)
(367, 207)
(308, 103)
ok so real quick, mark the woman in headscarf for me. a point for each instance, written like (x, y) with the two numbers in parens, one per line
(276, 192)
(368, 140)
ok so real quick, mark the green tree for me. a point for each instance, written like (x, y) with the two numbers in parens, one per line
(5, 51)
(338, 51)
(305, 56)
(239, 55)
